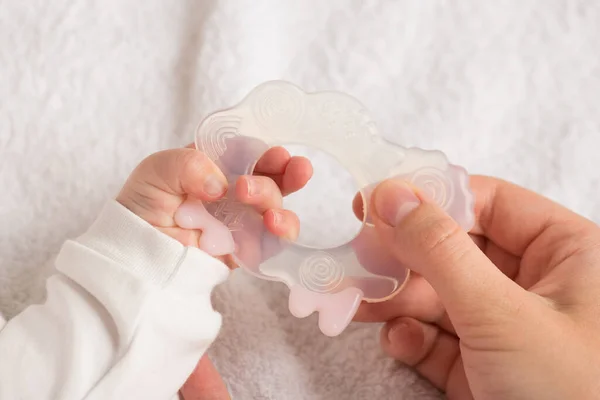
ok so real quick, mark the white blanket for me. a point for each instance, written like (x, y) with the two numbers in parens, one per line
(88, 88)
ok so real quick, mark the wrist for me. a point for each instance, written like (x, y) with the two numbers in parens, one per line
(132, 243)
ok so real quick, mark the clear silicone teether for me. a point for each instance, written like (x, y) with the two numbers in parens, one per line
(332, 281)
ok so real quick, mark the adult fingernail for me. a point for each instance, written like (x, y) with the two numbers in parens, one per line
(398, 332)
(393, 201)
(213, 186)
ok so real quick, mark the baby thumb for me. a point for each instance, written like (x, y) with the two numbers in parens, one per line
(426, 240)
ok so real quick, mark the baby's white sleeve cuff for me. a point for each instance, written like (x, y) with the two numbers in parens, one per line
(131, 242)
(128, 316)
(132, 245)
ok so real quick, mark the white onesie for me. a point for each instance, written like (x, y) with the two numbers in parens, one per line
(127, 316)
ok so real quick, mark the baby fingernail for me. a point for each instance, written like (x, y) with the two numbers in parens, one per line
(277, 218)
(213, 186)
(394, 200)
(254, 186)
(280, 221)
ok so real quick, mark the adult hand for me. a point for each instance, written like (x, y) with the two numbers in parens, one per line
(205, 383)
(511, 311)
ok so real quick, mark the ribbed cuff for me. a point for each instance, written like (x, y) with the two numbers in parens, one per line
(132, 243)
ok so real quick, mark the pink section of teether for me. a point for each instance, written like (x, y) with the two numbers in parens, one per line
(335, 310)
(216, 239)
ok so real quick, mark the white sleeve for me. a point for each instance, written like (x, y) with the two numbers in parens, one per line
(127, 316)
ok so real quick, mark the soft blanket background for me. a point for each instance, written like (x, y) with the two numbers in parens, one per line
(88, 88)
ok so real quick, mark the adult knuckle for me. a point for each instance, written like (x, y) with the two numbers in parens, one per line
(439, 235)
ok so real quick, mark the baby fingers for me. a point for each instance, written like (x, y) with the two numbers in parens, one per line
(183, 172)
(264, 194)
(258, 191)
(162, 181)
(282, 223)
(289, 173)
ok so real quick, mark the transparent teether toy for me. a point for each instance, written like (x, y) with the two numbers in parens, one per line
(331, 281)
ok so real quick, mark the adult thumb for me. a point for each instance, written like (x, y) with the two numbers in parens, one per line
(426, 240)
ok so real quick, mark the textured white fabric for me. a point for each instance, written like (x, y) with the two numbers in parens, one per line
(128, 315)
(87, 88)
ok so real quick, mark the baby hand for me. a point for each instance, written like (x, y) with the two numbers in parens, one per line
(164, 180)
(161, 183)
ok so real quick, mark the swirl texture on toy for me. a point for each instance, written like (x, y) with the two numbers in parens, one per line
(332, 281)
